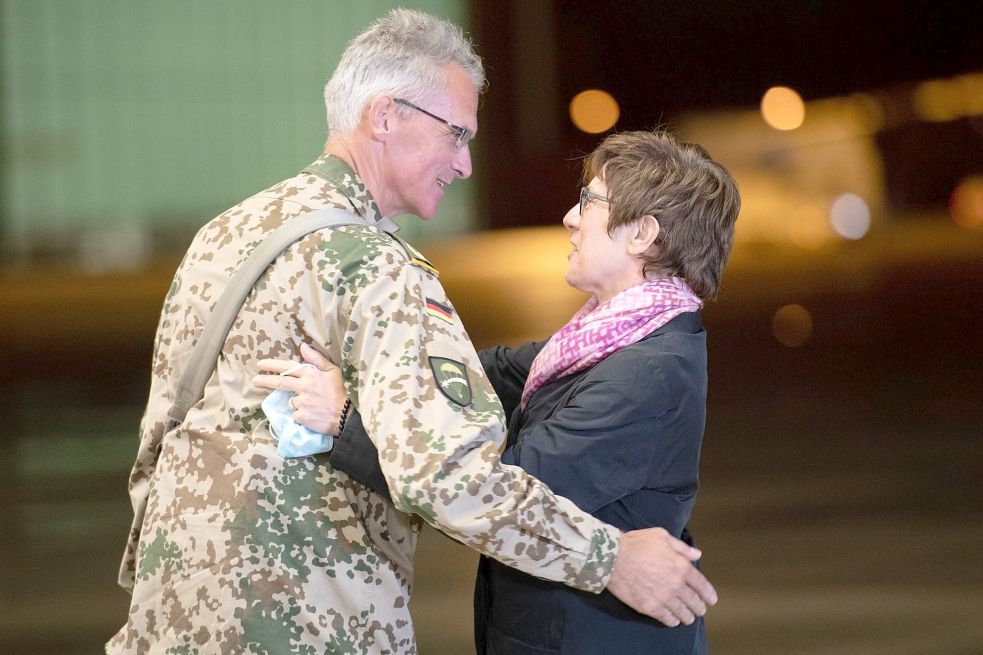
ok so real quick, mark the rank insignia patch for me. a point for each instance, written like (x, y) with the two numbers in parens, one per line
(452, 379)
(417, 259)
(424, 264)
(440, 310)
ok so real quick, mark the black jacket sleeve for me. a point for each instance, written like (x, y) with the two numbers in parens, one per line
(508, 368)
(355, 454)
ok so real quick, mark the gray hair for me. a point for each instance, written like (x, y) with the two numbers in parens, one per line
(403, 54)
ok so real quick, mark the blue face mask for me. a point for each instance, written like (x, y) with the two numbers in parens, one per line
(294, 440)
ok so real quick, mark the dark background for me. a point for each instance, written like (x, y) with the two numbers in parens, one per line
(663, 59)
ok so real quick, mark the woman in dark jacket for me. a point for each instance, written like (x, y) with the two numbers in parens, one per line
(632, 464)
(610, 411)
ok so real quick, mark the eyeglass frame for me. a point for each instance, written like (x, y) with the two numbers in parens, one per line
(587, 195)
(464, 135)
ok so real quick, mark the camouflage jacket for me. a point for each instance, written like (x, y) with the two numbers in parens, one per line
(235, 549)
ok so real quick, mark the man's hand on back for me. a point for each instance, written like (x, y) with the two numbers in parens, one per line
(654, 575)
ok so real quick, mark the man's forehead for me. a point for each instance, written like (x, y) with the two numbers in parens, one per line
(462, 96)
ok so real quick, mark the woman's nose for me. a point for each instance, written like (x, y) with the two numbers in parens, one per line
(572, 219)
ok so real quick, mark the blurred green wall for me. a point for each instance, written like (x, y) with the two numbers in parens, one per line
(125, 125)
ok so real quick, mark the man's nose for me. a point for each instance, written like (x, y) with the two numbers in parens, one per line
(462, 163)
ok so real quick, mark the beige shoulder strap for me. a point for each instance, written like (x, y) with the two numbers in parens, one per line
(205, 355)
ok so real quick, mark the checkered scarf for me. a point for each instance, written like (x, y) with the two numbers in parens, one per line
(596, 330)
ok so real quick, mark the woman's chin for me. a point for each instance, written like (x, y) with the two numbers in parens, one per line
(572, 283)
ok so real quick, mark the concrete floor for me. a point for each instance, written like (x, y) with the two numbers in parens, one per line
(841, 506)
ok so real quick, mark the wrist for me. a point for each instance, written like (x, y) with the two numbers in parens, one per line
(600, 561)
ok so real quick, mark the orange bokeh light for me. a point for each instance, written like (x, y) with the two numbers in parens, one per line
(782, 108)
(966, 202)
(792, 325)
(594, 111)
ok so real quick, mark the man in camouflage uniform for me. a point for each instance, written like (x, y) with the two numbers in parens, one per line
(235, 549)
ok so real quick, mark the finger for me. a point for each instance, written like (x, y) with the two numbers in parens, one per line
(276, 365)
(684, 549)
(666, 617)
(693, 601)
(277, 382)
(699, 584)
(681, 612)
(312, 356)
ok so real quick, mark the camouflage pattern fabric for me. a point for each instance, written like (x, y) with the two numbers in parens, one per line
(235, 549)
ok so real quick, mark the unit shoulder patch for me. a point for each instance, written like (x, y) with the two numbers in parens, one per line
(452, 379)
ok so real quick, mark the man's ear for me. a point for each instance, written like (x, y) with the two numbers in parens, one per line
(380, 117)
(643, 234)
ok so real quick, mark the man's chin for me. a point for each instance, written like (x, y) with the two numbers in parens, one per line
(426, 213)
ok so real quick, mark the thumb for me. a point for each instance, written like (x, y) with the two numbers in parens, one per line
(312, 356)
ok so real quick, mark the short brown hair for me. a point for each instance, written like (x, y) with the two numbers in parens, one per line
(694, 198)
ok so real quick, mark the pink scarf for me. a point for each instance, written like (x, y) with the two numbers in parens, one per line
(596, 331)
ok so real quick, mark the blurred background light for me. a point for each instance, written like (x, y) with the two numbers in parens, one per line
(594, 111)
(850, 216)
(971, 86)
(792, 325)
(782, 108)
(949, 99)
(935, 101)
(966, 202)
(870, 109)
(808, 227)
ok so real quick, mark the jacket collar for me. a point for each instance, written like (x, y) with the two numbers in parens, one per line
(347, 182)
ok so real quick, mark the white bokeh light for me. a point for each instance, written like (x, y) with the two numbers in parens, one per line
(850, 216)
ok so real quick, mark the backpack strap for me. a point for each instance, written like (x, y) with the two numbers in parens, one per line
(204, 357)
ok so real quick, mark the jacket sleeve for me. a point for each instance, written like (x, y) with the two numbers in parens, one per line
(507, 369)
(429, 409)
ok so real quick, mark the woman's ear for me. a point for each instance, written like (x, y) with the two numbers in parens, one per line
(644, 233)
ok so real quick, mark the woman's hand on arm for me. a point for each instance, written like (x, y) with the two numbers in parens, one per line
(319, 389)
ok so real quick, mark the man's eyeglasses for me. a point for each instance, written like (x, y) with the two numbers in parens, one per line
(463, 134)
(586, 195)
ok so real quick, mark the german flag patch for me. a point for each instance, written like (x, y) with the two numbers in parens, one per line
(440, 310)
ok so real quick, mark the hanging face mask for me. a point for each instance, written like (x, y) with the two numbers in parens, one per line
(293, 439)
